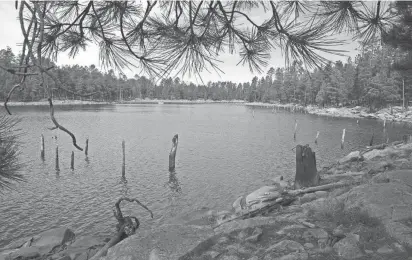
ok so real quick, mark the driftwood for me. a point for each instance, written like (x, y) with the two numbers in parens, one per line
(306, 170)
(342, 175)
(172, 154)
(319, 188)
(288, 196)
(126, 226)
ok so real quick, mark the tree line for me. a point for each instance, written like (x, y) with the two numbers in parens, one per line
(379, 75)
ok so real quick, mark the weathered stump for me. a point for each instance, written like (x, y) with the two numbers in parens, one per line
(123, 158)
(72, 161)
(87, 146)
(172, 154)
(57, 159)
(306, 174)
(295, 130)
(42, 147)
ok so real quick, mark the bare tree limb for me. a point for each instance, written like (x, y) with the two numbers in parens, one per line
(61, 127)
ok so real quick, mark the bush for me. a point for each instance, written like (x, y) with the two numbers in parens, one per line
(9, 152)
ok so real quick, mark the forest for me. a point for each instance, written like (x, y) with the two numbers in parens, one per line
(375, 78)
(379, 75)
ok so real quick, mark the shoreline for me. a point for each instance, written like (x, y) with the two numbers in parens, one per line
(358, 112)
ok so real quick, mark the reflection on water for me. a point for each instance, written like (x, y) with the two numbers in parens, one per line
(125, 187)
(173, 182)
(223, 153)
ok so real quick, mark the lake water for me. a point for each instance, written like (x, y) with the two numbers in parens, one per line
(224, 151)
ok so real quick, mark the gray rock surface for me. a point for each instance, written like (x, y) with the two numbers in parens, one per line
(353, 156)
(171, 241)
(286, 249)
(348, 247)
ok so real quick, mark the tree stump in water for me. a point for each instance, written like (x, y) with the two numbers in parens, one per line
(306, 170)
(172, 154)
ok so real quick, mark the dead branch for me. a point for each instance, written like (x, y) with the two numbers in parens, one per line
(61, 127)
(119, 212)
(125, 227)
(9, 95)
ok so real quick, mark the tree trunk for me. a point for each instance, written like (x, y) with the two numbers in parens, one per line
(306, 170)
(172, 154)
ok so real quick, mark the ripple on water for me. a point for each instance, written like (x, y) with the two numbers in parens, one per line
(223, 152)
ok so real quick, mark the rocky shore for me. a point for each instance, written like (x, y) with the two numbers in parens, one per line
(396, 114)
(364, 213)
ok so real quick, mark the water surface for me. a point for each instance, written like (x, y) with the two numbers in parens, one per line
(224, 151)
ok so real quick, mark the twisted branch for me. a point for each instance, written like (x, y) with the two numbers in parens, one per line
(61, 127)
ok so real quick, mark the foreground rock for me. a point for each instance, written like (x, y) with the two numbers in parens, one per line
(59, 243)
(164, 242)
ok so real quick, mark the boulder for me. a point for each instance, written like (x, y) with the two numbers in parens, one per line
(386, 249)
(52, 238)
(83, 248)
(386, 201)
(353, 156)
(348, 247)
(21, 242)
(390, 202)
(25, 253)
(238, 204)
(263, 194)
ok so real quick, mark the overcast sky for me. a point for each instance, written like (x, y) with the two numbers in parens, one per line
(10, 35)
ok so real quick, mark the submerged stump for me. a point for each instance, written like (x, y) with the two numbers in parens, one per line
(172, 154)
(306, 174)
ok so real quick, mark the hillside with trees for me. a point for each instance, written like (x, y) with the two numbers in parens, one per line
(373, 79)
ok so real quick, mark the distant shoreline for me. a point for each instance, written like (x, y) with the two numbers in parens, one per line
(358, 112)
(136, 101)
(399, 114)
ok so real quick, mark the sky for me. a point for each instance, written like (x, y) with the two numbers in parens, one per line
(10, 35)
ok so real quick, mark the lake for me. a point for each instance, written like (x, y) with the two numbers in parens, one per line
(224, 151)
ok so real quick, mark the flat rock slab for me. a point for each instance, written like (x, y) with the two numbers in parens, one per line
(380, 200)
(170, 242)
